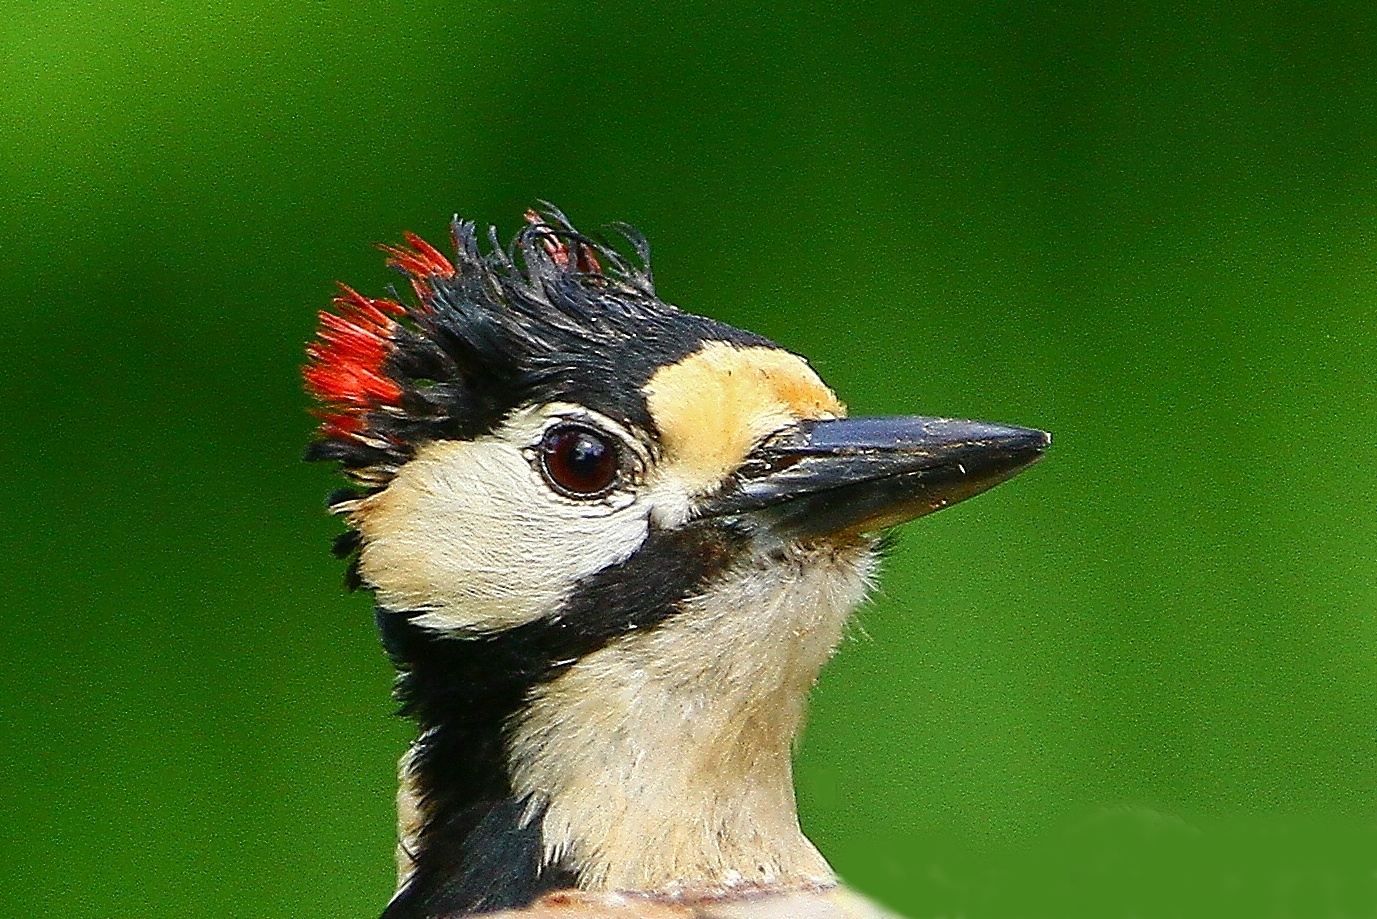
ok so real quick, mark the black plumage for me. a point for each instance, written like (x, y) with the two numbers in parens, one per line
(553, 316)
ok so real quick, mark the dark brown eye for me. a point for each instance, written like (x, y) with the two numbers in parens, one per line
(578, 461)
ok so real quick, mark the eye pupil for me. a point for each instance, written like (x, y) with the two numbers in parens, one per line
(579, 461)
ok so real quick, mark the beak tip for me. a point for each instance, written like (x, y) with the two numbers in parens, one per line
(1029, 444)
(1026, 438)
(1005, 444)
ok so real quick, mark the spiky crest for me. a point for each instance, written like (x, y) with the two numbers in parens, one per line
(347, 371)
(555, 315)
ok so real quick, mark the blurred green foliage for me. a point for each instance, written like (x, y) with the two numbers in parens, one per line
(1139, 681)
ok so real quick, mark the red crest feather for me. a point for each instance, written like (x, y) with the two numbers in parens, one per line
(347, 365)
(420, 261)
(583, 258)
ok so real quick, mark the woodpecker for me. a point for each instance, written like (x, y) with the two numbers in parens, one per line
(611, 544)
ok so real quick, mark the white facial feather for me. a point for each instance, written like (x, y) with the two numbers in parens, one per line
(470, 532)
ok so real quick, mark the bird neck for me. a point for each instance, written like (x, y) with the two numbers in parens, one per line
(655, 768)
(658, 759)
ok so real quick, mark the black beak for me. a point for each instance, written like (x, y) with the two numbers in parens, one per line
(860, 475)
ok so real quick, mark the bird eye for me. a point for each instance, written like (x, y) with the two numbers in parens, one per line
(578, 461)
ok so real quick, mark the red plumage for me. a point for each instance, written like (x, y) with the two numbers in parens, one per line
(347, 371)
(583, 258)
(420, 261)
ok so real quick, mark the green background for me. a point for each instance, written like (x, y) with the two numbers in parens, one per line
(1138, 681)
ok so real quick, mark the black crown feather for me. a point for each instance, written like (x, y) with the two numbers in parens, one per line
(554, 315)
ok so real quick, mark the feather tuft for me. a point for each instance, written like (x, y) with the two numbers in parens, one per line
(418, 258)
(555, 315)
(347, 364)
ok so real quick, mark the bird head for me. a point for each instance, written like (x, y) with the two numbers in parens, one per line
(612, 544)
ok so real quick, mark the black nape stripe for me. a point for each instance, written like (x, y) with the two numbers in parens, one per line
(474, 854)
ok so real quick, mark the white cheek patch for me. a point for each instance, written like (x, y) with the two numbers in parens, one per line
(469, 533)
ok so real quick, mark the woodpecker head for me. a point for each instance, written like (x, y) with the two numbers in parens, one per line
(612, 544)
